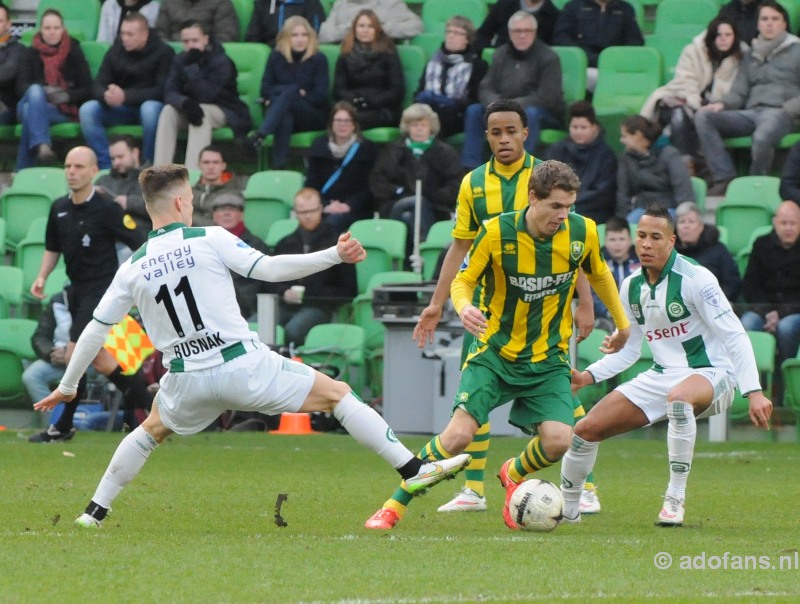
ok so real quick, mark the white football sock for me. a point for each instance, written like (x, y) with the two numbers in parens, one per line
(681, 434)
(126, 463)
(370, 430)
(575, 467)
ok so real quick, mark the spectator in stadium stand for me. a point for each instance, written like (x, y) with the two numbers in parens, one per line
(294, 88)
(594, 25)
(11, 52)
(113, 13)
(336, 164)
(493, 32)
(228, 212)
(744, 14)
(270, 15)
(201, 94)
(214, 181)
(49, 342)
(395, 17)
(650, 170)
(700, 241)
(218, 18)
(586, 151)
(54, 79)
(369, 74)
(771, 283)
(325, 291)
(449, 83)
(790, 175)
(704, 74)
(526, 71)
(418, 155)
(121, 183)
(764, 101)
(128, 88)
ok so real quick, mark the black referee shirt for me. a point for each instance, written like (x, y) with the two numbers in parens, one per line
(86, 235)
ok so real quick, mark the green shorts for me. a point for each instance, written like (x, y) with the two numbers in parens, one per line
(540, 391)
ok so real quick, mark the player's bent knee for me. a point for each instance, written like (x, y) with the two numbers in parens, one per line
(588, 429)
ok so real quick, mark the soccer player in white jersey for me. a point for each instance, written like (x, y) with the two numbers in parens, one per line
(701, 353)
(178, 280)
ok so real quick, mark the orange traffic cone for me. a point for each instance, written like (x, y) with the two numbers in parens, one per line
(294, 423)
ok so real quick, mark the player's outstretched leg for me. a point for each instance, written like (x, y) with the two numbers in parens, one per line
(681, 436)
(472, 497)
(127, 461)
(394, 509)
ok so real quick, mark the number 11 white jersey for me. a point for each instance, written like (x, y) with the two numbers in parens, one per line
(180, 282)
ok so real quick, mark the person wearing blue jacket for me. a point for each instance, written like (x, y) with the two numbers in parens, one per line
(294, 88)
(586, 151)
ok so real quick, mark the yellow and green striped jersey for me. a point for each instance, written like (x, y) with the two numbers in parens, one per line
(489, 190)
(528, 283)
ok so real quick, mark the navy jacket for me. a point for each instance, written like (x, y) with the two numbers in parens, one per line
(772, 279)
(596, 166)
(141, 73)
(310, 75)
(582, 23)
(212, 80)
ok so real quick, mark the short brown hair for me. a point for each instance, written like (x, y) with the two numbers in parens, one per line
(156, 181)
(553, 174)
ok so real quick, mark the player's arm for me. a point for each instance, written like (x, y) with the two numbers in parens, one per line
(49, 261)
(465, 281)
(584, 314)
(715, 309)
(288, 267)
(606, 288)
(430, 316)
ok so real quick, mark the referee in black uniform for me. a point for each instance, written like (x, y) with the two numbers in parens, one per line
(84, 226)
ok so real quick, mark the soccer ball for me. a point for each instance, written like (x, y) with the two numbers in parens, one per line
(536, 505)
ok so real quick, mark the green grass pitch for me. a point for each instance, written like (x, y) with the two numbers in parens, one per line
(198, 525)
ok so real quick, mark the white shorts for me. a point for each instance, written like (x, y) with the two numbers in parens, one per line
(649, 389)
(260, 380)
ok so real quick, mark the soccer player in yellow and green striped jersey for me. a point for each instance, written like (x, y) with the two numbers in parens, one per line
(500, 185)
(529, 261)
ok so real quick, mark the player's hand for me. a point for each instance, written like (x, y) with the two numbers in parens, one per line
(428, 320)
(614, 342)
(760, 409)
(52, 399)
(584, 320)
(581, 379)
(350, 250)
(37, 288)
(473, 320)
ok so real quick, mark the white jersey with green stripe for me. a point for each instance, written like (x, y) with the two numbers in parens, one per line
(181, 284)
(688, 323)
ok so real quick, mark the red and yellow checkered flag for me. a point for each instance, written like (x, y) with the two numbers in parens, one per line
(129, 344)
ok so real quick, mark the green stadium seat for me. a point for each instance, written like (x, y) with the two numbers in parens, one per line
(269, 196)
(81, 17)
(790, 370)
(94, 52)
(280, 229)
(385, 242)
(684, 18)
(10, 291)
(700, 187)
(244, 11)
(438, 239)
(339, 346)
(15, 345)
(29, 197)
(626, 77)
(250, 59)
(435, 13)
(573, 69)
